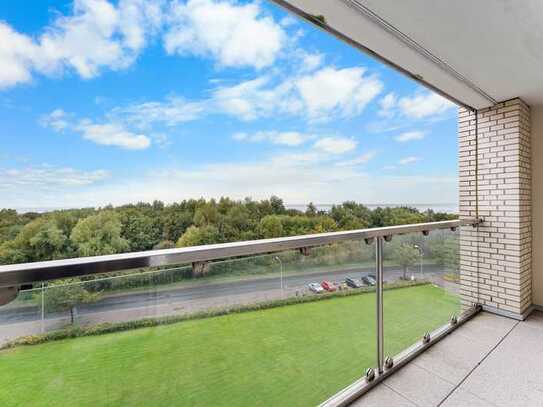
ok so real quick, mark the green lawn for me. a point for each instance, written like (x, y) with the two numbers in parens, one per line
(294, 355)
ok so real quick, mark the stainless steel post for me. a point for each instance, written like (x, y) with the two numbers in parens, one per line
(379, 303)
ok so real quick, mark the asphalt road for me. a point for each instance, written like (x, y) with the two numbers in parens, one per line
(207, 292)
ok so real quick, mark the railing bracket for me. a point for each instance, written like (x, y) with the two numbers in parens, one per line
(370, 374)
(389, 362)
(454, 320)
(388, 238)
(200, 268)
(426, 338)
(369, 240)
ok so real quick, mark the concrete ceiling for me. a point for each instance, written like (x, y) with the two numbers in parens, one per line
(475, 52)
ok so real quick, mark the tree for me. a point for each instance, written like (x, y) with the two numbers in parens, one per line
(277, 206)
(445, 250)
(48, 242)
(99, 234)
(406, 255)
(164, 244)
(196, 236)
(39, 240)
(140, 230)
(67, 295)
(311, 209)
(175, 220)
(270, 226)
(206, 215)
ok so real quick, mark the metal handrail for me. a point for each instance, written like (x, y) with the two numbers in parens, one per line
(26, 273)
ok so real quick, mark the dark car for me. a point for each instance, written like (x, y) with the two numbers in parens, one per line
(353, 282)
(369, 279)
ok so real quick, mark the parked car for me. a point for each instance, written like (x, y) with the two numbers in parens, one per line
(369, 279)
(328, 286)
(315, 287)
(354, 283)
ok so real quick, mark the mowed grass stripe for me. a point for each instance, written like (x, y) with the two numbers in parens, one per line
(296, 355)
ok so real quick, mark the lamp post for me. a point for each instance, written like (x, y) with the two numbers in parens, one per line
(421, 257)
(281, 265)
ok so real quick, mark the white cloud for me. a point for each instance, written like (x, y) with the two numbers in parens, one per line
(46, 176)
(408, 160)
(297, 178)
(311, 61)
(288, 21)
(16, 54)
(409, 136)
(108, 134)
(387, 104)
(96, 35)
(345, 92)
(57, 120)
(234, 34)
(319, 96)
(171, 112)
(251, 99)
(112, 134)
(424, 105)
(362, 159)
(287, 138)
(335, 145)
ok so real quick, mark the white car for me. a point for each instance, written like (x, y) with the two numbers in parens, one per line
(315, 287)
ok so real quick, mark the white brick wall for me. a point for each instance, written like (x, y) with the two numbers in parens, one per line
(495, 262)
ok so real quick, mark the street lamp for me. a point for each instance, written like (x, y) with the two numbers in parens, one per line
(281, 265)
(421, 257)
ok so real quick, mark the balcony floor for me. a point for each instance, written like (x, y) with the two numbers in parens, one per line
(488, 361)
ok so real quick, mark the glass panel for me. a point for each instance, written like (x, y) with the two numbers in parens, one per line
(247, 331)
(421, 276)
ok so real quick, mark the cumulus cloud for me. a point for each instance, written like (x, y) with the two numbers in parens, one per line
(424, 105)
(112, 134)
(409, 136)
(254, 98)
(345, 92)
(318, 95)
(17, 53)
(108, 134)
(57, 120)
(387, 104)
(335, 145)
(233, 34)
(101, 34)
(287, 138)
(96, 35)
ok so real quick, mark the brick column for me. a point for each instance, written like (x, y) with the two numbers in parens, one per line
(495, 262)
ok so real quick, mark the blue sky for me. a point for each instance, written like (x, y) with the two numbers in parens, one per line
(135, 100)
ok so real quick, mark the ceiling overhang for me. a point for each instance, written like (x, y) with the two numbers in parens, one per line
(474, 53)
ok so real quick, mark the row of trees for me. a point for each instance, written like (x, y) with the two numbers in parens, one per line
(87, 232)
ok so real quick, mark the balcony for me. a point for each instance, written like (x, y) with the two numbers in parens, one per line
(230, 324)
(445, 313)
(489, 361)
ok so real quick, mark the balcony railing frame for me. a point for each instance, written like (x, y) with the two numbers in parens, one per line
(28, 273)
(12, 277)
